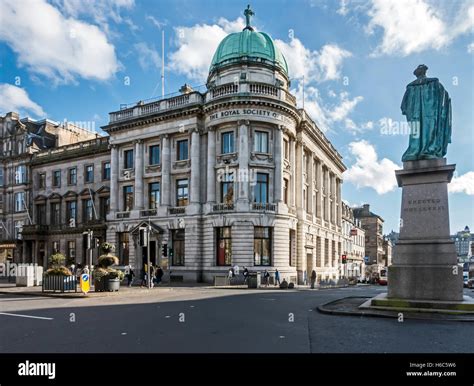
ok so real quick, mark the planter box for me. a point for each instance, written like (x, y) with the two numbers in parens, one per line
(59, 283)
(112, 285)
(100, 285)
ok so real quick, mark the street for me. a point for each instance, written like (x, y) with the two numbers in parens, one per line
(193, 320)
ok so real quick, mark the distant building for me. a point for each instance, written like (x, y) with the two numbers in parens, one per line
(353, 244)
(373, 227)
(19, 140)
(463, 241)
(393, 237)
(387, 252)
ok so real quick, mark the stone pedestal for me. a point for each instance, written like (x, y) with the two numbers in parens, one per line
(424, 262)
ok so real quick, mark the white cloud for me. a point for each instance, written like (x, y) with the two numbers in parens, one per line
(196, 47)
(317, 66)
(462, 184)
(470, 48)
(343, 7)
(57, 47)
(345, 107)
(157, 23)
(368, 171)
(13, 98)
(411, 26)
(148, 56)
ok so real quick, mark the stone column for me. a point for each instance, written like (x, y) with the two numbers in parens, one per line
(211, 162)
(114, 177)
(244, 155)
(309, 179)
(277, 156)
(339, 202)
(138, 191)
(300, 237)
(333, 203)
(299, 176)
(327, 207)
(293, 173)
(195, 168)
(319, 187)
(166, 172)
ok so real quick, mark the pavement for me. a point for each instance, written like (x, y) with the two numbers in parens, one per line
(212, 320)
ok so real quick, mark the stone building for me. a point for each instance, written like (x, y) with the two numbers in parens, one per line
(463, 241)
(234, 175)
(353, 245)
(70, 196)
(19, 140)
(373, 227)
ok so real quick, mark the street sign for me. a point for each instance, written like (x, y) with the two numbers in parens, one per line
(85, 283)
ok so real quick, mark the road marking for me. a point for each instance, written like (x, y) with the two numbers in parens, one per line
(167, 316)
(282, 336)
(26, 316)
(124, 333)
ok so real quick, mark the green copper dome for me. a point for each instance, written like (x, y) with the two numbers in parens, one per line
(248, 44)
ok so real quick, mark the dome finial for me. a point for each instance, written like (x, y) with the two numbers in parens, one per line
(248, 14)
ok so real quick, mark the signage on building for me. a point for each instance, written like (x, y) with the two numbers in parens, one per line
(7, 246)
(248, 112)
(353, 232)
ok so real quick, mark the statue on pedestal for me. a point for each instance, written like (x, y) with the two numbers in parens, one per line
(427, 107)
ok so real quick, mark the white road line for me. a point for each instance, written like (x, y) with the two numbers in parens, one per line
(26, 316)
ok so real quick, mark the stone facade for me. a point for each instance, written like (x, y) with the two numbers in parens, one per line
(70, 196)
(19, 140)
(373, 227)
(244, 177)
(353, 245)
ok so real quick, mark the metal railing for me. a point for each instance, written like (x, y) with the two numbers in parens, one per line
(59, 283)
(122, 215)
(148, 212)
(222, 207)
(263, 207)
(177, 210)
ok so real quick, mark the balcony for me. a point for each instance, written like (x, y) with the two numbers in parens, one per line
(122, 215)
(148, 212)
(222, 207)
(263, 207)
(177, 210)
(157, 106)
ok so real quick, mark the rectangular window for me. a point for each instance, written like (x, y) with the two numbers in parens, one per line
(286, 149)
(285, 190)
(154, 155)
(261, 188)
(292, 248)
(128, 159)
(262, 246)
(71, 250)
(261, 142)
(55, 213)
(72, 176)
(104, 207)
(55, 246)
(88, 210)
(223, 246)
(182, 150)
(177, 238)
(57, 178)
(227, 189)
(18, 229)
(128, 198)
(19, 202)
(89, 173)
(182, 192)
(20, 174)
(227, 141)
(154, 195)
(41, 214)
(71, 213)
(41, 180)
(106, 171)
(124, 244)
(1, 177)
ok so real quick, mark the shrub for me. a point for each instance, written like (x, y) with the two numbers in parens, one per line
(107, 260)
(115, 274)
(57, 259)
(58, 271)
(100, 274)
(107, 247)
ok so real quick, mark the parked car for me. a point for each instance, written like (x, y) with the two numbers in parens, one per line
(470, 283)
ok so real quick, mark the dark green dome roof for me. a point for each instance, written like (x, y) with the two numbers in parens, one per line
(250, 45)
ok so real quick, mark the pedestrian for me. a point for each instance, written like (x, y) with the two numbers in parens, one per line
(159, 275)
(236, 270)
(73, 269)
(277, 277)
(266, 277)
(152, 275)
(86, 270)
(144, 276)
(313, 278)
(246, 274)
(130, 275)
(230, 275)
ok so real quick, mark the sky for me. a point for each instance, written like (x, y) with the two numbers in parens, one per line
(79, 60)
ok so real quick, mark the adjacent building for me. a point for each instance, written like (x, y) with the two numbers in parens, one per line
(353, 245)
(234, 175)
(71, 189)
(463, 241)
(19, 140)
(374, 240)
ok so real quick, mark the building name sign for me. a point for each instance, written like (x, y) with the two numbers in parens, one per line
(238, 113)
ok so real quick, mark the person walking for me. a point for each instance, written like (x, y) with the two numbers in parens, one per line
(266, 277)
(144, 276)
(230, 275)
(313, 278)
(159, 275)
(130, 274)
(246, 275)
(277, 277)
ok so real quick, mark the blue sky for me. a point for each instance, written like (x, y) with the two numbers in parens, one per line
(79, 60)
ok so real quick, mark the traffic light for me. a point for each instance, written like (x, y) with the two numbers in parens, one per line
(87, 239)
(171, 252)
(97, 242)
(344, 259)
(143, 236)
(165, 250)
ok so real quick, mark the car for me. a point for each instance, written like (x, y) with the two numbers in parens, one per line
(470, 283)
